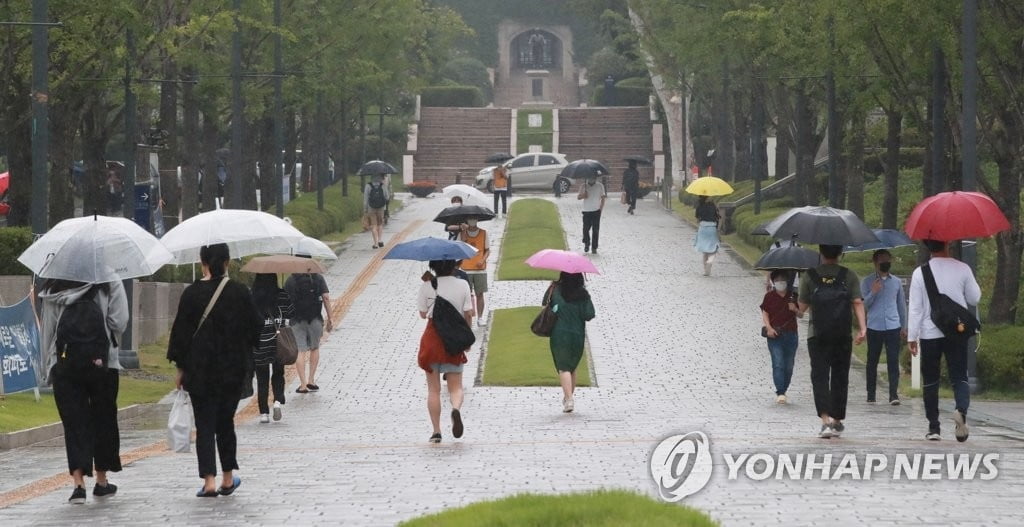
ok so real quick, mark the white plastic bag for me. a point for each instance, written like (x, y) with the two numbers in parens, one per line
(179, 423)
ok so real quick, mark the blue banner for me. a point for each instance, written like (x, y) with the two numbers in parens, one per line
(19, 347)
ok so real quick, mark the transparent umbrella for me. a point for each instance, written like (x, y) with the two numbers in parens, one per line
(244, 231)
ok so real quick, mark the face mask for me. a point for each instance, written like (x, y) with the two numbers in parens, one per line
(471, 223)
(591, 182)
(885, 266)
(780, 286)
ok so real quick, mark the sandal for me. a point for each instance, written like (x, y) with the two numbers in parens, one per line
(436, 438)
(301, 390)
(203, 493)
(226, 491)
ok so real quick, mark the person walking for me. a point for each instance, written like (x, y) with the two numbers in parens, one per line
(778, 316)
(432, 357)
(275, 306)
(85, 393)
(706, 241)
(593, 195)
(830, 291)
(571, 302)
(631, 185)
(215, 330)
(454, 229)
(376, 196)
(476, 267)
(886, 308)
(309, 296)
(954, 279)
(501, 189)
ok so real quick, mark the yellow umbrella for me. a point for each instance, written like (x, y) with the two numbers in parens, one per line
(709, 186)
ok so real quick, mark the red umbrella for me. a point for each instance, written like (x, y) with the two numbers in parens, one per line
(5, 182)
(955, 215)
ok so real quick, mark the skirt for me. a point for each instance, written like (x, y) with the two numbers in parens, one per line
(707, 237)
(432, 350)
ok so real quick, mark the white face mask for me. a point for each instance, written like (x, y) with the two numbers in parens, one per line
(780, 286)
(471, 223)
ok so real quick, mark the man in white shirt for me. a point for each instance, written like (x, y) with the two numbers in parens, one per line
(954, 279)
(593, 194)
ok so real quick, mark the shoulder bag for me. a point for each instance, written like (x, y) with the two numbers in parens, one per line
(287, 348)
(544, 323)
(952, 319)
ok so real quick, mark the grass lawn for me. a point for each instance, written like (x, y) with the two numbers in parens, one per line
(517, 357)
(533, 225)
(595, 508)
(542, 135)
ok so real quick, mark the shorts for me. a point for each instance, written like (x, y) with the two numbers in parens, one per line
(375, 217)
(445, 367)
(307, 334)
(477, 281)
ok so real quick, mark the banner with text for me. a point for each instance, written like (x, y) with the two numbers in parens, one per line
(19, 347)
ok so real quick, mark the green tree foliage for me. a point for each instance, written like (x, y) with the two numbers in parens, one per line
(470, 72)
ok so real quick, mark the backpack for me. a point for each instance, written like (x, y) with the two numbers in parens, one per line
(307, 301)
(377, 199)
(82, 336)
(451, 325)
(831, 302)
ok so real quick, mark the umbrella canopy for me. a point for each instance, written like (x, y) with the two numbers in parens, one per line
(245, 231)
(314, 248)
(375, 168)
(821, 225)
(584, 168)
(5, 182)
(790, 257)
(955, 215)
(283, 263)
(427, 249)
(500, 157)
(887, 239)
(466, 192)
(709, 186)
(558, 260)
(461, 213)
(640, 160)
(95, 249)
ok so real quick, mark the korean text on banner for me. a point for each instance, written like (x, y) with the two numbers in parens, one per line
(19, 347)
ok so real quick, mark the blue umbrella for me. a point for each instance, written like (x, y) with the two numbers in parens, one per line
(427, 249)
(887, 239)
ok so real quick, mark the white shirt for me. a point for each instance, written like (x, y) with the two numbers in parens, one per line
(595, 193)
(954, 279)
(454, 290)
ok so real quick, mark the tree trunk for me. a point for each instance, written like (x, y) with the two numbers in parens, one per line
(854, 162)
(724, 164)
(342, 165)
(782, 153)
(191, 162)
(64, 123)
(893, 139)
(928, 166)
(291, 145)
(17, 139)
(211, 136)
(170, 157)
(803, 190)
(741, 136)
(95, 137)
(1008, 151)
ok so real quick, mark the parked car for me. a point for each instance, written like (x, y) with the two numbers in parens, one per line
(530, 171)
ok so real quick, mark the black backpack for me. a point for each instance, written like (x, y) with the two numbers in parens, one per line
(307, 301)
(377, 199)
(830, 300)
(451, 325)
(82, 336)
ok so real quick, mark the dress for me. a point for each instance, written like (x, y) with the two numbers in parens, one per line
(569, 333)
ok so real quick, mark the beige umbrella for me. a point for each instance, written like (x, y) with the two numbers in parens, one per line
(283, 263)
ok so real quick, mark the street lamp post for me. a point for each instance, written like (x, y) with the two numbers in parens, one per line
(40, 117)
(969, 147)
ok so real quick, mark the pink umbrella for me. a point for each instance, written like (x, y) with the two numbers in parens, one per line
(557, 260)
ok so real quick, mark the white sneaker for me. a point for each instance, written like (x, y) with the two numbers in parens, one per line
(264, 418)
(826, 432)
(781, 399)
(277, 410)
(567, 405)
(481, 320)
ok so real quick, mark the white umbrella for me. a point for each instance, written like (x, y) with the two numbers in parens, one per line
(95, 249)
(465, 192)
(313, 247)
(244, 231)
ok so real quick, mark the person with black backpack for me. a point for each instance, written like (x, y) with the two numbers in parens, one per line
(81, 327)
(832, 293)
(310, 296)
(376, 196)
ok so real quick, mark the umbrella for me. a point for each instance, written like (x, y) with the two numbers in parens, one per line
(887, 239)
(95, 249)
(821, 225)
(709, 186)
(790, 257)
(465, 192)
(499, 158)
(314, 248)
(283, 263)
(584, 168)
(640, 160)
(559, 260)
(377, 167)
(5, 182)
(461, 213)
(245, 231)
(955, 215)
(427, 249)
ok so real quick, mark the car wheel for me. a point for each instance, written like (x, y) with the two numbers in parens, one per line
(490, 186)
(562, 185)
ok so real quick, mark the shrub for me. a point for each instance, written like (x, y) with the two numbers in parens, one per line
(13, 242)
(635, 82)
(1001, 358)
(467, 71)
(452, 96)
(606, 61)
(624, 96)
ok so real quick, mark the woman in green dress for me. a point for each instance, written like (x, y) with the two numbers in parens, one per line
(571, 302)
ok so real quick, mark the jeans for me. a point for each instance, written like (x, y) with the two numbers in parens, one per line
(783, 351)
(631, 199)
(591, 222)
(265, 378)
(88, 410)
(503, 195)
(891, 339)
(830, 374)
(215, 432)
(955, 350)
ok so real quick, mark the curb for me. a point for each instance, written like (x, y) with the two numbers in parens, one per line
(39, 434)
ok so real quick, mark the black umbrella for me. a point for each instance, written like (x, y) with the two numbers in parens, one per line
(821, 225)
(790, 257)
(461, 213)
(584, 168)
(640, 160)
(499, 158)
(887, 239)
(375, 168)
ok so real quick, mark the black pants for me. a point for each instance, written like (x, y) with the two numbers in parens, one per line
(215, 432)
(830, 374)
(591, 228)
(88, 411)
(955, 351)
(890, 338)
(503, 195)
(631, 199)
(263, 375)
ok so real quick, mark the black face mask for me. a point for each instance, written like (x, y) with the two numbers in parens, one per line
(885, 266)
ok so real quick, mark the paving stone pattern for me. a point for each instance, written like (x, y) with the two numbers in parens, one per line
(673, 352)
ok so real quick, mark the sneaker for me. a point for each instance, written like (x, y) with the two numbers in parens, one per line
(456, 423)
(871, 399)
(707, 269)
(586, 248)
(312, 387)
(568, 405)
(436, 438)
(277, 410)
(264, 418)
(837, 428)
(104, 490)
(481, 320)
(933, 435)
(594, 251)
(962, 430)
(78, 496)
(381, 244)
(895, 402)
(826, 432)
(780, 399)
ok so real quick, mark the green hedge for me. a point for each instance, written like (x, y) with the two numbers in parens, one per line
(13, 242)
(452, 96)
(635, 82)
(624, 96)
(1001, 358)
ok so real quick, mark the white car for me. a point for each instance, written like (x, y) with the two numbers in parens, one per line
(531, 171)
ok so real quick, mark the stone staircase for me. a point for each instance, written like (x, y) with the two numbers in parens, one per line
(455, 142)
(607, 134)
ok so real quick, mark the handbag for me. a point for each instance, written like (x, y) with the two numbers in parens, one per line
(952, 319)
(179, 423)
(544, 323)
(287, 347)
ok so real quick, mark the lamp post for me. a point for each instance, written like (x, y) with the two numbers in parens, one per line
(969, 148)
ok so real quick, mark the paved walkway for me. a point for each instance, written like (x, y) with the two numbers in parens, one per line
(673, 352)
